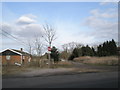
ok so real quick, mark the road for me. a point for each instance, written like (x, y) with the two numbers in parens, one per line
(83, 80)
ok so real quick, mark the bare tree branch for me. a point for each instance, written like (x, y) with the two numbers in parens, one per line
(69, 47)
(29, 47)
(49, 34)
(38, 46)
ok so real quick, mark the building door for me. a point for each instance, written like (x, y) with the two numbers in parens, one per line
(23, 61)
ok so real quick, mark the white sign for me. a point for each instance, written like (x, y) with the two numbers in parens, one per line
(18, 64)
(49, 51)
(8, 57)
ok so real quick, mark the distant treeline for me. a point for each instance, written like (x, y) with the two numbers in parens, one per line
(108, 48)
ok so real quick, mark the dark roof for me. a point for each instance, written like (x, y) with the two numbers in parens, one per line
(14, 51)
(19, 51)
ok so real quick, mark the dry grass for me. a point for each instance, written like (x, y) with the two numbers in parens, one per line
(8, 70)
(13, 69)
(63, 64)
(38, 63)
(111, 60)
(43, 63)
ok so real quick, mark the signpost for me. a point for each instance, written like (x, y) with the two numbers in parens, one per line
(49, 51)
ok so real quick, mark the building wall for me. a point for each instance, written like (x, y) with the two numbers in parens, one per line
(14, 59)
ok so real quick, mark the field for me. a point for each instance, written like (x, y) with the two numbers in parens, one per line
(111, 60)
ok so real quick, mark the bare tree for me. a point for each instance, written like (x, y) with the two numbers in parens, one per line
(35, 45)
(69, 47)
(30, 47)
(38, 46)
(65, 47)
(49, 34)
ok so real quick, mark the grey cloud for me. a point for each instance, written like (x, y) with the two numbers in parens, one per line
(22, 22)
(30, 31)
(26, 31)
(111, 13)
(6, 27)
(102, 28)
(24, 28)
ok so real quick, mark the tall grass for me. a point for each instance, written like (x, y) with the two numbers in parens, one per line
(109, 60)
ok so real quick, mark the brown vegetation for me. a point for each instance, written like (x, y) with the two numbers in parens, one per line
(111, 60)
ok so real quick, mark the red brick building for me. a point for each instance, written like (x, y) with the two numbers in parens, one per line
(14, 57)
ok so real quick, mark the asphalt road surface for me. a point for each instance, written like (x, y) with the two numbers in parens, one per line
(84, 80)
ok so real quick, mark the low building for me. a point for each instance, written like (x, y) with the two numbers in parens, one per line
(14, 57)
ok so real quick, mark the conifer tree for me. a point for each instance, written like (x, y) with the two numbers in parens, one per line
(55, 54)
(107, 48)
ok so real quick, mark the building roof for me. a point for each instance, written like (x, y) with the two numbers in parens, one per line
(15, 51)
(19, 51)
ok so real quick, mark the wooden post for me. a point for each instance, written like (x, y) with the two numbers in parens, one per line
(49, 63)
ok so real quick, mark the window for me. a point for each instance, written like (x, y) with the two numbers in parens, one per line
(23, 57)
(8, 57)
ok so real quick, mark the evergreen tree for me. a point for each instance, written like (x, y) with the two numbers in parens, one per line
(71, 57)
(107, 48)
(87, 51)
(83, 51)
(94, 52)
(113, 46)
(99, 50)
(76, 53)
(54, 54)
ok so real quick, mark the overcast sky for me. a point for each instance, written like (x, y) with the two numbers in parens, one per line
(83, 22)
